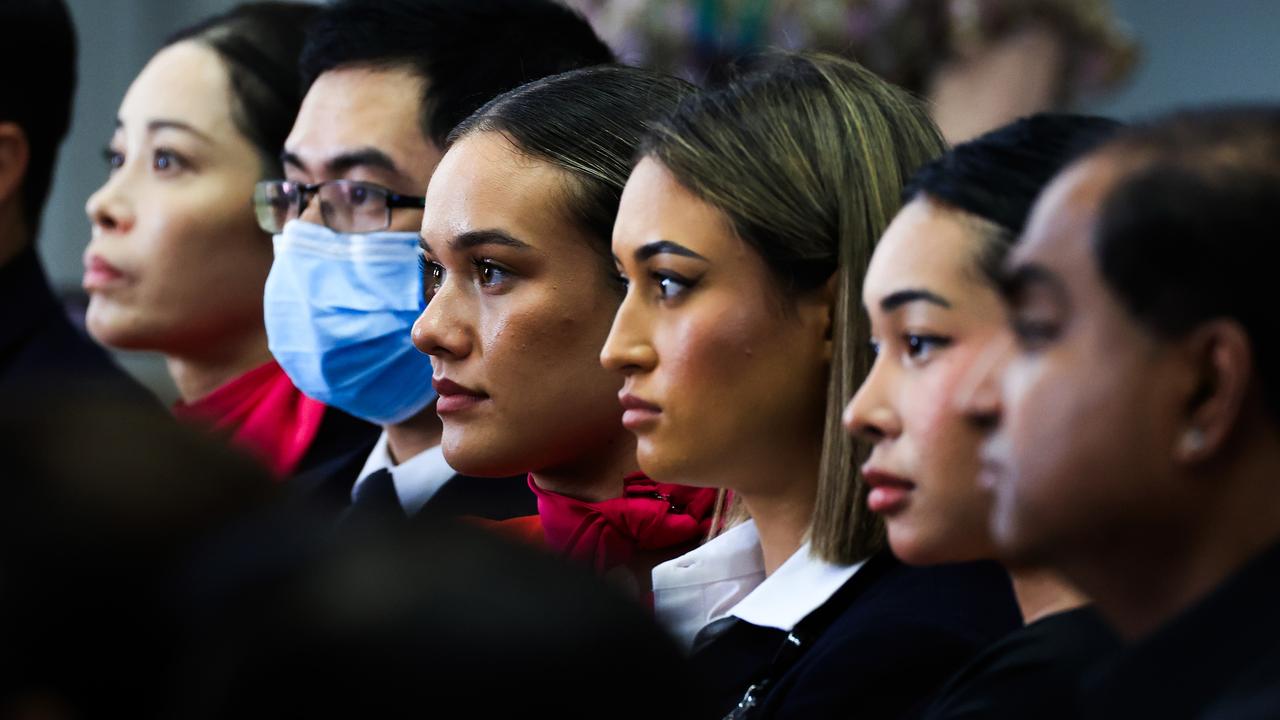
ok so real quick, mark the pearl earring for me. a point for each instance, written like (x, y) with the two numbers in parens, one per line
(1193, 440)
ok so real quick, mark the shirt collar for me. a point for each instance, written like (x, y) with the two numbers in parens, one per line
(416, 480)
(799, 586)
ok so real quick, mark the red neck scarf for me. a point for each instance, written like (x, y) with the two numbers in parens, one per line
(652, 522)
(262, 413)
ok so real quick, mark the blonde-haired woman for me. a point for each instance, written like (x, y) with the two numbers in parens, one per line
(744, 233)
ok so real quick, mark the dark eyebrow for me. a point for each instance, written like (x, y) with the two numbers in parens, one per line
(162, 124)
(345, 161)
(1015, 281)
(895, 300)
(644, 252)
(476, 238)
(423, 244)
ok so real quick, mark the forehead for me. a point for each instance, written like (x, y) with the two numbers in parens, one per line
(485, 183)
(186, 82)
(927, 246)
(360, 107)
(1060, 229)
(656, 206)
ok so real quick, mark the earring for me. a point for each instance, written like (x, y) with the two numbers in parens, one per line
(1193, 440)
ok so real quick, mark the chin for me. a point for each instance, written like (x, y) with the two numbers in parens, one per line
(475, 459)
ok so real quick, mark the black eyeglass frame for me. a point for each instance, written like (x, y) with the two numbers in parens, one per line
(307, 192)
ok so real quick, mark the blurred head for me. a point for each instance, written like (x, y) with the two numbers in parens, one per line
(521, 289)
(744, 232)
(177, 262)
(35, 107)
(1145, 343)
(932, 298)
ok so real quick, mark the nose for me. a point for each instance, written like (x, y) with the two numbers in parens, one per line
(108, 208)
(627, 349)
(441, 330)
(869, 415)
(977, 396)
(309, 203)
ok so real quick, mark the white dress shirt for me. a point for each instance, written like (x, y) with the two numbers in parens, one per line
(416, 480)
(726, 577)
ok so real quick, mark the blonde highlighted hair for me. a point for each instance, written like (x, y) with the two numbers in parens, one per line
(807, 156)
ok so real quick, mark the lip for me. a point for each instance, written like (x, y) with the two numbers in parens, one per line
(100, 274)
(454, 397)
(637, 412)
(890, 494)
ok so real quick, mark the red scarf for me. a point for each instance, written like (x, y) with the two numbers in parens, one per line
(652, 522)
(262, 413)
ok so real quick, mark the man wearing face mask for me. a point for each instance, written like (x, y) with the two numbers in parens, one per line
(387, 82)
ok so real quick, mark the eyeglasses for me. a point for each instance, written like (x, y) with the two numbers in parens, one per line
(346, 206)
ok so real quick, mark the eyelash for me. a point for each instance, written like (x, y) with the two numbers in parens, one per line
(664, 282)
(175, 162)
(432, 274)
(917, 346)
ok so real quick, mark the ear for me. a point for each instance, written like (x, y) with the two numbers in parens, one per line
(1221, 359)
(15, 153)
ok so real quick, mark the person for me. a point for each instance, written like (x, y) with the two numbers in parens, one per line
(1135, 442)
(387, 82)
(934, 306)
(521, 291)
(176, 263)
(38, 343)
(744, 232)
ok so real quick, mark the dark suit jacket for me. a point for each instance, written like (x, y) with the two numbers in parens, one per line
(325, 488)
(40, 350)
(898, 633)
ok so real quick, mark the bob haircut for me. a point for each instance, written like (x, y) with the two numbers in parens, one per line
(807, 156)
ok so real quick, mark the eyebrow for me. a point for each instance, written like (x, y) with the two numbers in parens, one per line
(345, 161)
(163, 124)
(895, 300)
(477, 238)
(1015, 281)
(661, 247)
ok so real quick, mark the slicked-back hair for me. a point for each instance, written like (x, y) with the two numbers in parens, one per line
(589, 123)
(1184, 233)
(259, 45)
(807, 155)
(998, 176)
(467, 51)
(37, 87)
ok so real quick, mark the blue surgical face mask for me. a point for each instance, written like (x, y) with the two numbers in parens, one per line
(339, 311)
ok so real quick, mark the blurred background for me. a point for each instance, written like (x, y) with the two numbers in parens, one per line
(980, 62)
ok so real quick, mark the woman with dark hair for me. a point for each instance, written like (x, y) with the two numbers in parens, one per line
(932, 297)
(521, 290)
(744, 232)
(177, 263)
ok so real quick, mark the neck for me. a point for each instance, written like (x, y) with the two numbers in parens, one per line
(783, 512)
(414, 436)
(1042, 593)
(198, 375)
(596, 475)
(1233, 515)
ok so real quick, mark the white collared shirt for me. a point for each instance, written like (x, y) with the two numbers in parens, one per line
(726, 577)
(416, 480)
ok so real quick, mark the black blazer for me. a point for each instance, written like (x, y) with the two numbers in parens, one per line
(325, 488)
(898, 633)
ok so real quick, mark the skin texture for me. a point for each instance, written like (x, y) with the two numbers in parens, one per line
(363, 124)
(175, 219)
(523, 325)
(738, 375)
(927, 348)
(1090, 406)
